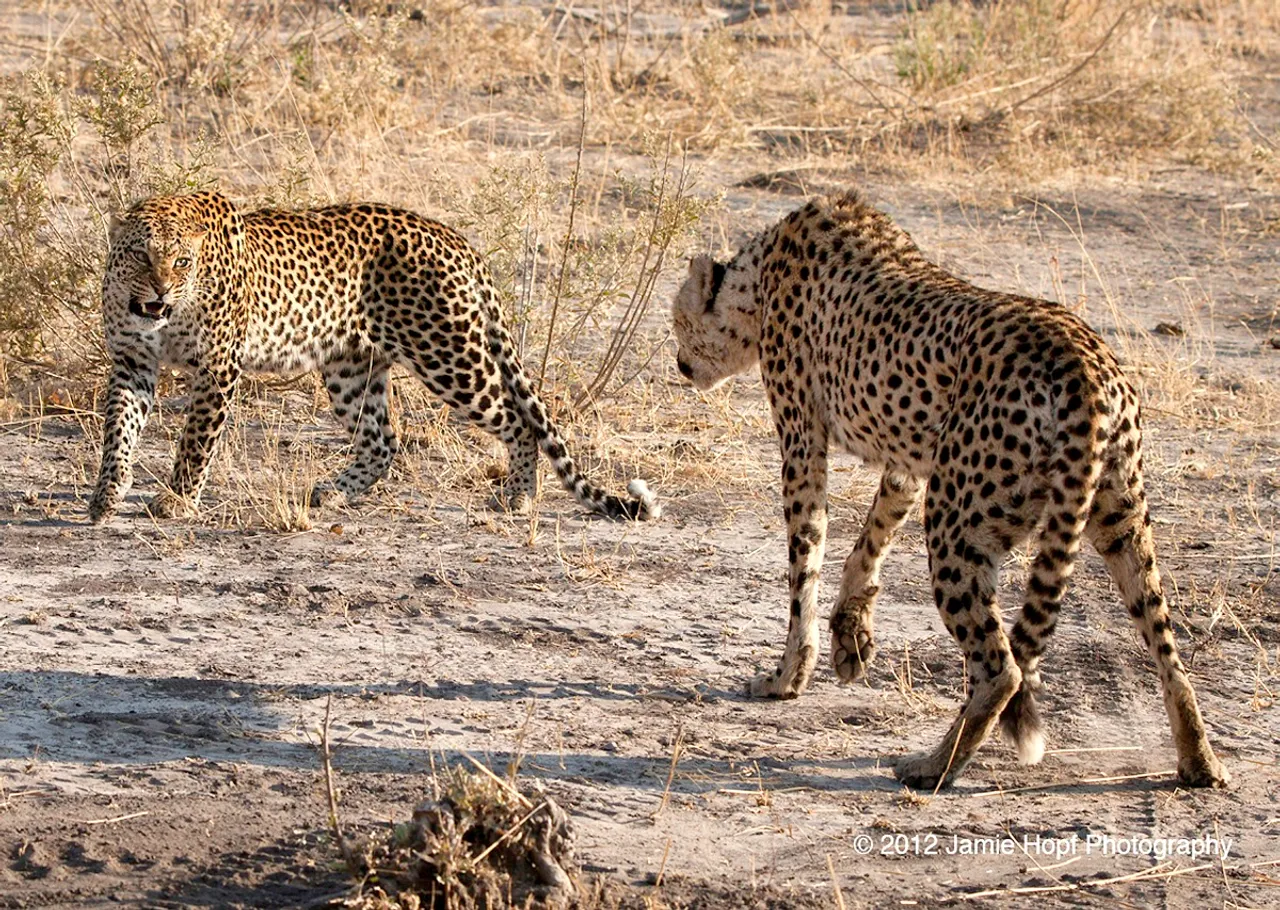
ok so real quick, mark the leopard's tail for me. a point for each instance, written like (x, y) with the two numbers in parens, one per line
(643, 504)
(1071, 473)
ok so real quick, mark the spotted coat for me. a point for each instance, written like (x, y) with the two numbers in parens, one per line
(349, 290)
(1003, 413)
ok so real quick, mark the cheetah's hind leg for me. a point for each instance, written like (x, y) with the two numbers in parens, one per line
(1121, 531)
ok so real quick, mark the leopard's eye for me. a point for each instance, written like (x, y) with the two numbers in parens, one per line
(140, 256)
(182, 262)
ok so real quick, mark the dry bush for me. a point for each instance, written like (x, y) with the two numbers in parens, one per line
(478, 842)
(1079, 81)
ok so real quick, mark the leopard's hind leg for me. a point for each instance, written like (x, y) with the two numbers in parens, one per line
(504, 420)
(359, 388)
(469, 382)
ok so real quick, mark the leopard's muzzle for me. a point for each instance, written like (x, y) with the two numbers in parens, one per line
(154, 310)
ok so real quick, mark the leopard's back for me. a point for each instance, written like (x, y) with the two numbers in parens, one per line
(324, 280)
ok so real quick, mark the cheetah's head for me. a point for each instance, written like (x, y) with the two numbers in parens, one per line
(152, 262)
(716, 324)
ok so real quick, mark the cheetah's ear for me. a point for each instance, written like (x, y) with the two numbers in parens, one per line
(702, 270)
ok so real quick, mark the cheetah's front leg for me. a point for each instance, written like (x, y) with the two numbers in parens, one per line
(131, 392)
(852, 636)
(211, 393)
(804, 490)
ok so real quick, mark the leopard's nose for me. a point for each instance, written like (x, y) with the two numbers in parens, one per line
(685, 370)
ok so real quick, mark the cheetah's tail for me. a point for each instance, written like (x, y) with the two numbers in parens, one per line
(1071, 473)
(643, 504)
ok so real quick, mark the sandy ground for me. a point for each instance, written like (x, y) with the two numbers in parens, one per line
(161, 685)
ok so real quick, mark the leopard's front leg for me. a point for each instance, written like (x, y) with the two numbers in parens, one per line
(211, 392)
(804, 490)
(131, 393)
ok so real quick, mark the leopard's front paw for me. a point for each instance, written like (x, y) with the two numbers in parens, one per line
(101, 507)
(852, 644)
(515, 502)
(167, 504)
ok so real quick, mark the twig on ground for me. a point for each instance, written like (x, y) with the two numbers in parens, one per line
(835, 884)
(1076, 783)
(331, 793)
(1155, 872)
(662, 867)
(118, 818)
(671, 772)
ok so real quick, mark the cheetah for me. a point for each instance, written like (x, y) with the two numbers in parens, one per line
(349, 290)
(1004, 413)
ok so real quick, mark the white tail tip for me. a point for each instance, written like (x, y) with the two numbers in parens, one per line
(1031, 748)
(648, 499)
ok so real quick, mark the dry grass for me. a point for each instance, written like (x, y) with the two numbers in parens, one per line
(574, 147)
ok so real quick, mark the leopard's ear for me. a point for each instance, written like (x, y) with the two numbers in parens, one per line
(114, 223)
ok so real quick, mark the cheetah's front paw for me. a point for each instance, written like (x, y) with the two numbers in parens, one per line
(167, 504)
(923, 770)
(768, 685)
(1202, 772)
(789, 678)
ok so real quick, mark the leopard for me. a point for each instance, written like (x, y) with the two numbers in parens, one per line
(1001, 419)
(349, 290)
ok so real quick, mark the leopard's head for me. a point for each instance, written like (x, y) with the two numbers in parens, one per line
(153, 262)
(716, 324)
